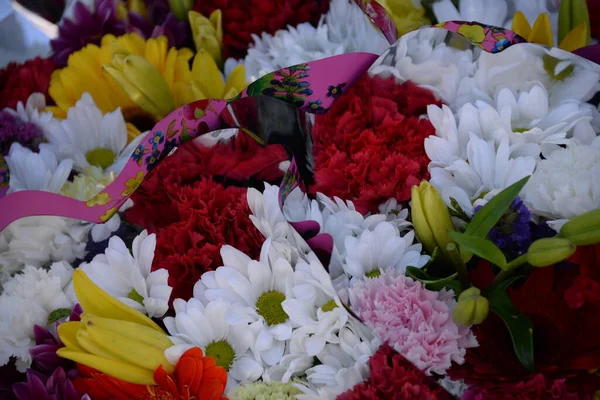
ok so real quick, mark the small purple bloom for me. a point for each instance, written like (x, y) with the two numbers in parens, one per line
(86, 28)
(13, 129)
(512, 234)
(39, 387)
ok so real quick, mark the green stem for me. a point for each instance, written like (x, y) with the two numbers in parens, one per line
(510, 268)
(457, 261)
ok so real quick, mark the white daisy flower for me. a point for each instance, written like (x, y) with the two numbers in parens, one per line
(564, 75)
(566, 184)
(395, 214)
(36, 171)
(344, 29)
(39, 241)
(91, 138)
(533, 127)
(424, 58)
(341, 365)
(294, 363)
(489, 12)
(256, 291)
(34, 297)
(382, 249)
(128, 277)
(315, 306)
(205, 326)
(33, 111)
(485, 170)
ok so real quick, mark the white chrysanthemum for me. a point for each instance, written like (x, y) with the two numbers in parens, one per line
(206, 327)
(36, 171)
(532, 126)
(91, 138)
(344, 29)
(33, 111)
(38, 241)
(255, 290)
(489, 12)
(29, 299)
(382, 249)
(315, 306)
(564, 75)
(342, 365)
(485, 170)
(424, 58)
(129, 278)
(395, 214)
(566, 184)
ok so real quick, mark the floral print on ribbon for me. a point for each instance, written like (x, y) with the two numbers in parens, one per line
(380, 18)
(489, 38)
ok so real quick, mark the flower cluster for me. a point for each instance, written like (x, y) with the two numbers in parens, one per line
(426, 230)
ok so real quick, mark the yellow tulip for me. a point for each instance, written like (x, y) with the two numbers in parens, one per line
(208, 34)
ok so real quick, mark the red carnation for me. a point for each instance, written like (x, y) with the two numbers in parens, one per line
(210, 216)
(538, 387)
(18, 81)
(567, 344)
(594, 11)
(586, 285)
(241, 19)
(393, 377)
(194, 215)
(369, 146)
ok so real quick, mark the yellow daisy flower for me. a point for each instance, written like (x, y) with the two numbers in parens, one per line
(146, 78)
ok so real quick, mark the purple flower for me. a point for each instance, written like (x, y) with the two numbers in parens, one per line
(512, 233)
(86, 28)
(13, 129)
(39, 387)
(177, 32)
(45, 360)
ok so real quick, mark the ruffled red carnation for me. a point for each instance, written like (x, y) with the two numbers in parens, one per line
(18, 81)
(393, 377)
(194, 214)
(369, 146)
(594, 12)
(538, 387)
(241, 19)
(566, 341)
(586, 285)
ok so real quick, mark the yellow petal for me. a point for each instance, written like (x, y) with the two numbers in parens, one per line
(138, 6)
(67, 332)
(520, 25)
(216, 18)
(541, 32)
(206, 72)
(117, 369)
(236, 81)
(575, 39)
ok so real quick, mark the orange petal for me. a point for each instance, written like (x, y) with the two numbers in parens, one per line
(188, 372)
(165, 381)
(121, 390)
(215, 372)
(211, 389)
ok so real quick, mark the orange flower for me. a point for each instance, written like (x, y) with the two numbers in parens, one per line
(196, 377)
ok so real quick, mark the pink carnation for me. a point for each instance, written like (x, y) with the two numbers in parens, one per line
(417, 322)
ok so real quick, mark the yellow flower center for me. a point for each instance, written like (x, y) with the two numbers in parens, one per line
(135, 296)
(550, 64)
(222, 352)
(329, 306)
(376, 273)
(269, 307)
(101, 157)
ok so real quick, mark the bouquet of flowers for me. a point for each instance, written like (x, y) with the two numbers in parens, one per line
(322, 200)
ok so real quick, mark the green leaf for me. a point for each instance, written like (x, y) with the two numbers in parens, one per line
(518, 325)
(489, 215)
(432, 282)
(480, 247)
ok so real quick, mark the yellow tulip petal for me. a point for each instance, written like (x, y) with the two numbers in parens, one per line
(520, 25)
(575, 39)
(541, 32)
(67, 332)
(216, 18)
(117, 369)
(236, 81)
(206, 72)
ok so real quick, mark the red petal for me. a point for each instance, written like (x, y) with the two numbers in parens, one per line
(165, 381)
(211, 389)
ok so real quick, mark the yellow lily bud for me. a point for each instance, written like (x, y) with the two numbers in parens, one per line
(180, 8)
(112, 337)
(549, 251)
(583, 230)
(431, 218)
(142, 82)
(471, 309)
(208, 34)
(405, 15)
